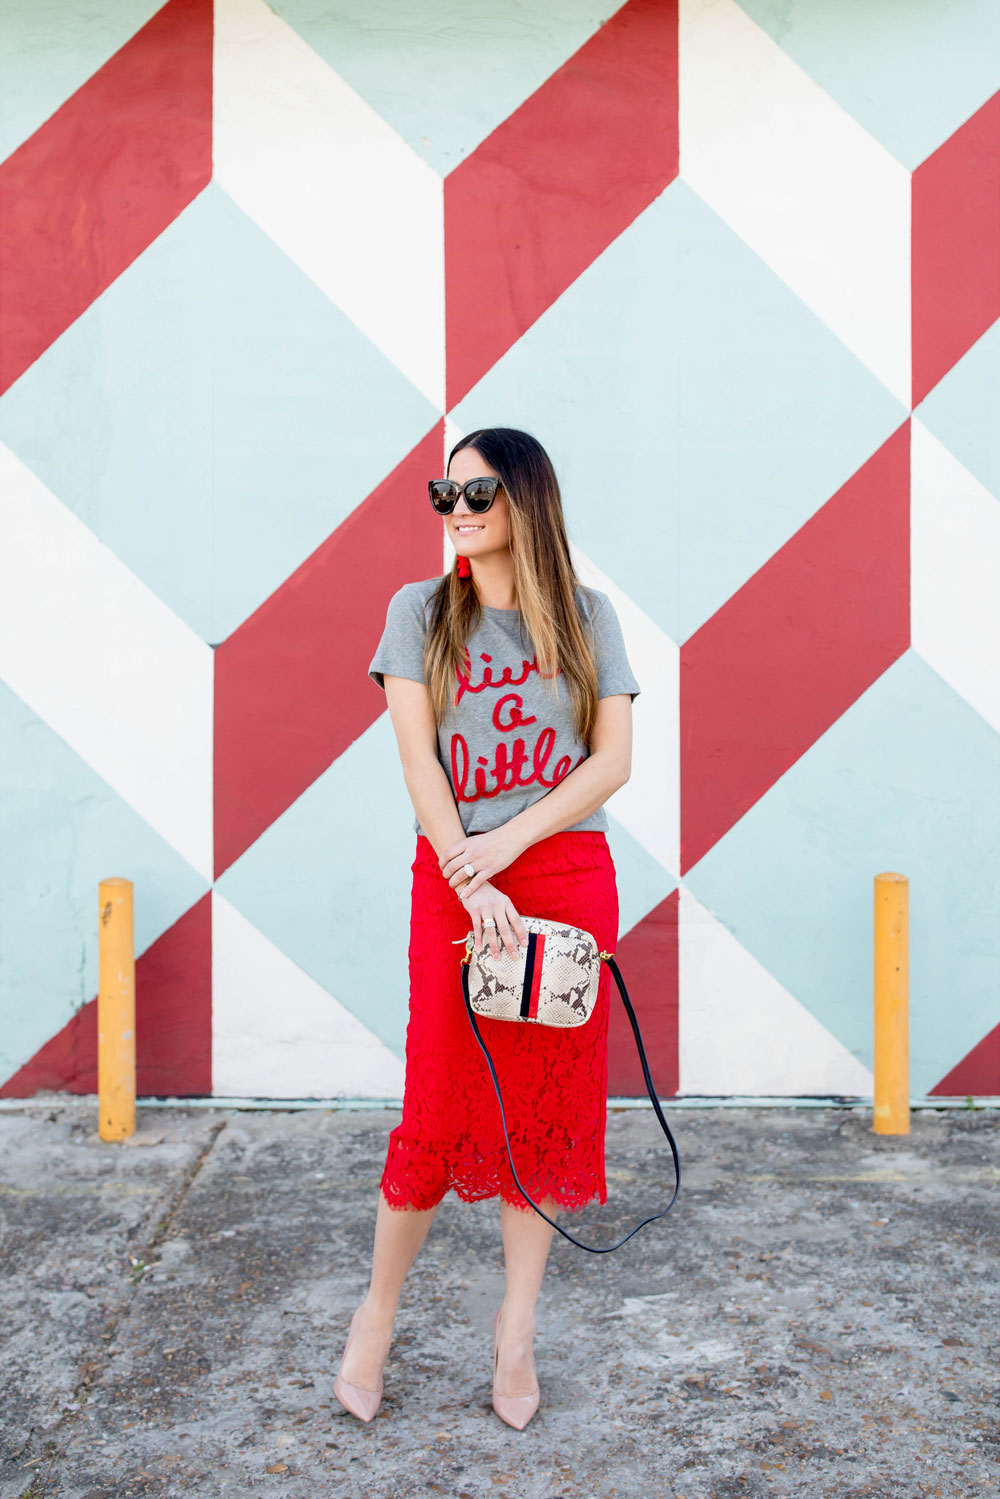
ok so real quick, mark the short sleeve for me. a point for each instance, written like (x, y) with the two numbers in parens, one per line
(400, 652)
(614, 674)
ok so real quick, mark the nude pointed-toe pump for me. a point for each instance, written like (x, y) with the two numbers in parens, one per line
(516, 1410)
(356, 1398)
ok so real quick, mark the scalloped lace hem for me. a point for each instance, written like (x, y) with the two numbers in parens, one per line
(566, 1199)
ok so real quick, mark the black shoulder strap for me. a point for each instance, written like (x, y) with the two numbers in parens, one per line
(594, 1248)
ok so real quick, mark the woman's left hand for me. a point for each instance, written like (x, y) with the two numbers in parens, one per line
(488, 853)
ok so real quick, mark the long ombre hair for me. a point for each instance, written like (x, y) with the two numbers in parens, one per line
(545, 583)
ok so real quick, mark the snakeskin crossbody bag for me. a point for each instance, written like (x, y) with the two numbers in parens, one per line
(554, 982)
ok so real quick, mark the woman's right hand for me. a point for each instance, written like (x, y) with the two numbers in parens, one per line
(486, 901)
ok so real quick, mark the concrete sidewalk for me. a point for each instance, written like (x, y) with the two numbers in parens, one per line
(816, 1316)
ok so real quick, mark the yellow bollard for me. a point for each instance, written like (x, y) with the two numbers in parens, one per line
(892, 1005)
(115, 1010)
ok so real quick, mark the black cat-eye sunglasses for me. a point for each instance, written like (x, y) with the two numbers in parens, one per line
(479, 494)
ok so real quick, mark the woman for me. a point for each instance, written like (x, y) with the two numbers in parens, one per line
(510, 694)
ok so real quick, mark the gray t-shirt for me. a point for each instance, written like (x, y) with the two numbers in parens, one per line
(511, 737)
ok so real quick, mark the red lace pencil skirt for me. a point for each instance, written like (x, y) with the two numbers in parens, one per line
(554, 1081)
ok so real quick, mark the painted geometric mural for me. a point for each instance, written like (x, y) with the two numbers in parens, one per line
(737, 265)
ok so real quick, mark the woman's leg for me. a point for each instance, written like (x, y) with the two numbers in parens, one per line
(399, 1233)
(526, 1241)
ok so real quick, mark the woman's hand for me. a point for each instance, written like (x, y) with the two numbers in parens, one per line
(488, 853)
(489, 902)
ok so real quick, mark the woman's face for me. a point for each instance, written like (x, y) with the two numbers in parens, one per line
(476, 535)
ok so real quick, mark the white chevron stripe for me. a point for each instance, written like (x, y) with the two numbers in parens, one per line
(648, 805)
(955, 563)
(740, 1032)
(105, 663)
(276, 1033)
(333, 185)
(796, 176)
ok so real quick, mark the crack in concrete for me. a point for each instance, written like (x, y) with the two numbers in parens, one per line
(94, 1368)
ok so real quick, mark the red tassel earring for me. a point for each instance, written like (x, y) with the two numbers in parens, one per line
(464, 568)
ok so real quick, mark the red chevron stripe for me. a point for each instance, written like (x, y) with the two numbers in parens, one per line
(291, 684)
(102, 178)
(977, 1073)
(647, 957)
(173, 1023)
(955, 272)
(794, 647)
(556, 182)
